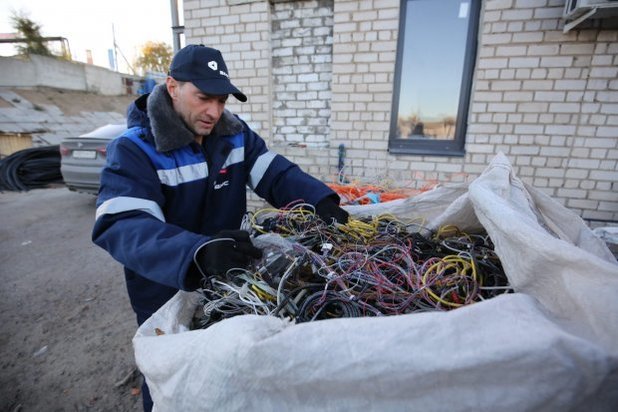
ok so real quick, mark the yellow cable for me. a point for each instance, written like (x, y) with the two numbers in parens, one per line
(262, 294)
(450, 262)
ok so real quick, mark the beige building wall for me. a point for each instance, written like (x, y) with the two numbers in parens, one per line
(14, 142)
(547, 99)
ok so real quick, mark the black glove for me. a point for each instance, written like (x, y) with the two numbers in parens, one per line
(228, 249)
(328, 209)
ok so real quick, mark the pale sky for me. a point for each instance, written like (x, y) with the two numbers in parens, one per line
(437, 59)
(87, 24)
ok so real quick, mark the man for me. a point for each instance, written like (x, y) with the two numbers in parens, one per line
(173, 194)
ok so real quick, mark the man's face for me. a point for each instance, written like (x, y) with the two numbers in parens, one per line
(199, 111)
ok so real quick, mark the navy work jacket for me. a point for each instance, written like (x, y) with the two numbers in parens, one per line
(155, 209)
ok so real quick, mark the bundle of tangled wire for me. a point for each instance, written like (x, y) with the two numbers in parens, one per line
(30, 168)
(368, 267)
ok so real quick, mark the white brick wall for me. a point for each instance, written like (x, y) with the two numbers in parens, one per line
(547, 99)
(301, 42)
(241, 30)
(568, 87)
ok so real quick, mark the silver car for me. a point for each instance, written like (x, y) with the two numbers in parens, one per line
(83, 157)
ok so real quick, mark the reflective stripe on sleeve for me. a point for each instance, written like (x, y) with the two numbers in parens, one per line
(259, 168)
(125, 203)
(183, 174)
(236, 156)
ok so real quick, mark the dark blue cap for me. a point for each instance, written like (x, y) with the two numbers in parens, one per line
(204, 67)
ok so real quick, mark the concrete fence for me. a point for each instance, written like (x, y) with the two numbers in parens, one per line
(53, 72)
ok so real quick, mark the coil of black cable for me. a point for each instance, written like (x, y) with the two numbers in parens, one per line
(30, 169)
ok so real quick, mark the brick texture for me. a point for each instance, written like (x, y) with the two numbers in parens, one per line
(320, 74)
(301, 41)
(241, 30)
(560, 106)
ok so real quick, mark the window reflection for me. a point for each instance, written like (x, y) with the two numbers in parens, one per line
(432, 67)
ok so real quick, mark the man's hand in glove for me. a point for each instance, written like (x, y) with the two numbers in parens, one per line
(228, 249)
(328, 209)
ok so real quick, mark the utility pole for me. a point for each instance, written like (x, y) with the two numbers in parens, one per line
(115, 48)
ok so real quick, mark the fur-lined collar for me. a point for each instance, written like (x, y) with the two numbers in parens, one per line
(169, 130)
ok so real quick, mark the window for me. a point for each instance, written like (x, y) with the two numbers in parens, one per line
(433, 77)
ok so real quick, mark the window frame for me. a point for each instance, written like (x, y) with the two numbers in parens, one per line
(455, 147)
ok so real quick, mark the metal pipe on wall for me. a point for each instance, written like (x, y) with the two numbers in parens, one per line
(177, 30)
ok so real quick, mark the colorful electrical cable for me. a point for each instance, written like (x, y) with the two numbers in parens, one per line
(378, 266)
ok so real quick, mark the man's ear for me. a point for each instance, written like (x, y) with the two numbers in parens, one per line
(172, 87)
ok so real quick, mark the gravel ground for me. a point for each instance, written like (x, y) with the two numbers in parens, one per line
(66, 320)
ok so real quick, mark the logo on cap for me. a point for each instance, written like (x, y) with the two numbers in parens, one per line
(212, 64)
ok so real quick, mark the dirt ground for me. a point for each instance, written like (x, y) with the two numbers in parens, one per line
(66, 320)
(72, 102)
